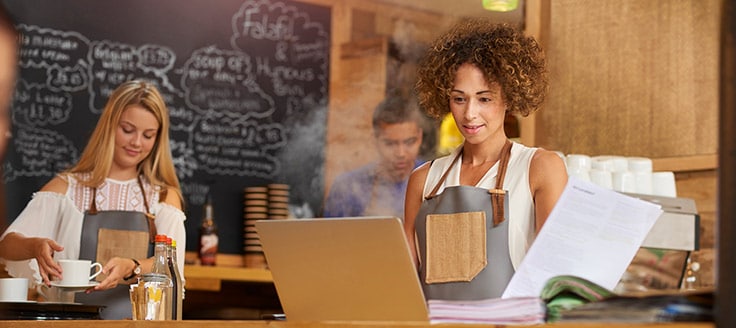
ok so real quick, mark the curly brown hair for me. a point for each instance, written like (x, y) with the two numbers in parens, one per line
(504, 55)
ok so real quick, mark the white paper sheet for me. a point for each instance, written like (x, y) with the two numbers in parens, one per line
(592, 233)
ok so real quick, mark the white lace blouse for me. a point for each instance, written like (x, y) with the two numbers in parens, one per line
(59, 217)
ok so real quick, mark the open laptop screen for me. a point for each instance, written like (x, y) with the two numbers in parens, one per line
(353, 269)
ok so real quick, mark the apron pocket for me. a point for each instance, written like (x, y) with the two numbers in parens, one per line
(120, 243)
(456, 246)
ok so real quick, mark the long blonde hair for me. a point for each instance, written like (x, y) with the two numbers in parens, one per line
(97, 157)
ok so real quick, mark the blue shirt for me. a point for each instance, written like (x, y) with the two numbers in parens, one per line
(352, 192)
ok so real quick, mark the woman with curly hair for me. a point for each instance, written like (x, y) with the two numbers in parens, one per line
(471, 216)
(122, 191)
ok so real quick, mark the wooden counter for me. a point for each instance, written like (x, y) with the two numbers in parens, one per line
(228, 291)
(284, 324)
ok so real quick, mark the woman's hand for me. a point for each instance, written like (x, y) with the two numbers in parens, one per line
(115, 269)
(43, 251)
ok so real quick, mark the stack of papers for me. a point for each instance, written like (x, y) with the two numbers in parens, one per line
(520, 310)
(648, 307)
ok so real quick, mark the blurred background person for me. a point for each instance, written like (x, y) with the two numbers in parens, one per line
(8, 71)
(377, 189)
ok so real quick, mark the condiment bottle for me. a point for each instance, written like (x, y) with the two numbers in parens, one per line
(177, 287)
(208, 240)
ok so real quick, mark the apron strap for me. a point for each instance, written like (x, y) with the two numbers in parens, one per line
(444, 176)
(152, 232)
(149, 216)
(498, 194)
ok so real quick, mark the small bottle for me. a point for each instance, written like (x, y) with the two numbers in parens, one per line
(177, 287)
(208, 240)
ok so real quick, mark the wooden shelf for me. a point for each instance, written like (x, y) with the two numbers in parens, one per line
(686, 163)
(210, 278)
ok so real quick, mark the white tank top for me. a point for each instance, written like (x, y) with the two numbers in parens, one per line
(516, 182)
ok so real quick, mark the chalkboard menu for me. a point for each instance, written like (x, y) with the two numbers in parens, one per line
(245, 82)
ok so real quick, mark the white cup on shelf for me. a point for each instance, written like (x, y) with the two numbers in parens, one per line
(624, 182)
(578, 162)
(639, 164)
(602, 178)
(602, 163)
(643, 182)
(642, 169)
(579, 173)
(663, 184)
(610, 163)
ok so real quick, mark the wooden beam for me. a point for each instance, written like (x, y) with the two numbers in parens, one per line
(686, 163)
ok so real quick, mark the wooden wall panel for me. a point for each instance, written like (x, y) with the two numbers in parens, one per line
(355, 92)
(632, 78)
(701, 186)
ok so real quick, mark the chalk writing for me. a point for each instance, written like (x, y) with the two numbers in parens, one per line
(244, 82)
(35, 105)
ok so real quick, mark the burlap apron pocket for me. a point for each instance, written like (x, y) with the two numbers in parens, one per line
(120, 243)
(456, 246)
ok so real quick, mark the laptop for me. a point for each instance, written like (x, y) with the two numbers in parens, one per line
(343, 269)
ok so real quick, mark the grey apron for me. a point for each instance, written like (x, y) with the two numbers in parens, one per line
(116, 300)
(453, 224)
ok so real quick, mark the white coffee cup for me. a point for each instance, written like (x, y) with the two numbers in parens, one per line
(579, 173)
(663, 184)
(610, 163)
(77, 272)
(578, 161)
(13, 289)
(601, 178)
(624, 182)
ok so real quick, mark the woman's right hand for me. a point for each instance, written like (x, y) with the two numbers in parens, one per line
(43, 251)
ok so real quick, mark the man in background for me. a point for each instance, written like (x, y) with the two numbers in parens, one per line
(378, 188)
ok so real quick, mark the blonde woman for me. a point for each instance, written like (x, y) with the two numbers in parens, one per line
(123, 190)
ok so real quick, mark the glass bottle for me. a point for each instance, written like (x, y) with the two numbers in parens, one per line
(208, 240)
(158, 283)
(177, 289)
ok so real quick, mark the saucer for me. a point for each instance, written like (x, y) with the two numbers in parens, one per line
(75, 287)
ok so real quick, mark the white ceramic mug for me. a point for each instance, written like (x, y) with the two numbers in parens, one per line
(610, 163)
(624, 182)
(77, 272)
(13, 289)
(601, 178)
(663, 184)
(578, 161)
(579, 173)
